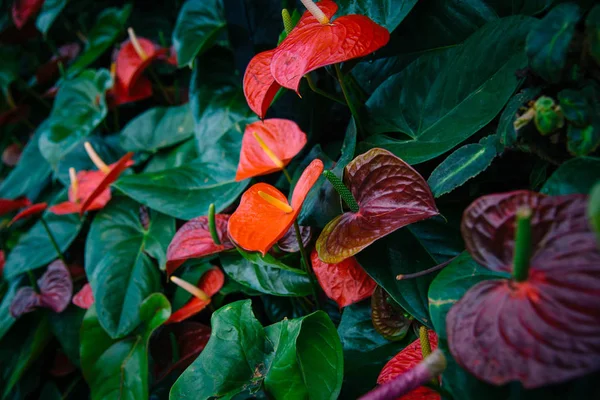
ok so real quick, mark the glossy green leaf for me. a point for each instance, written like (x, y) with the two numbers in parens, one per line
(548, 42)
(507, 135)
(80, 106)
(51, 9)
(442, 99)
(66, 326)
(411, 249)
(64, 228)
(462, 165)
(451, 284)
(515, 7)
(198, 25)
(265, 274)
(118, 369)
(6, 320)
(157, 128)
(577, 175)
(174, 157)
(592, 25)
(593, 210)
(109, 25)
(119, 262)
(581, 141)
(293, 359)
(387, 13)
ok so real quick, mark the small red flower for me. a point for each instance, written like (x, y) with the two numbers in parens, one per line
(264, 215)
(33, 209)
(269, 146)
(23, 10)
(345, 282)
(7, 205)
(84, 298)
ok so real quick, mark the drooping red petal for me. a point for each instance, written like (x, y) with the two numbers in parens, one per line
(257, 225)
(211, 282)
(260, 87)
(29, 211)
(66, 207)
(56, 287)
(283, 137)
(346, 282)
(406, 360)
(140, 90)
(22, 10)
(51, 69)
(544, 330)
(193, 240)
(313, 45)
(190, 339)
(7, 205)
(129, 63)
(26, 300)
(116, 170)
(61, 366)
(288, 242)
(84, 298)
(12, 154)
(390, 194)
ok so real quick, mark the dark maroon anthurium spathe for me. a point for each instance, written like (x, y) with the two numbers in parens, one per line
(55, 290)
(542, 326)
(289, 243)
(390, 194)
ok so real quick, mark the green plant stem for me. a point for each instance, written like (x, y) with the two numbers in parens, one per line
(314, 88)
(160, 85)
(32, 280)
(522, 253)
(342, 190)
(306, 264)
(212, 226)
(52, 240)
(287, 175)
(353, 109)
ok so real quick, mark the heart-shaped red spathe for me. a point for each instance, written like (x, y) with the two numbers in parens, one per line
(8, 205)
(55, 286)
(210, 283)
(33, 209)
(23, 10)
(119, 94)
(283, 137)
(129, 64)
(311, 45)
(544, 330)
(257, 225)
(84, 298)
(345, 282)
(260, 87)
(390, 195)
(193, 240)
(406, 360)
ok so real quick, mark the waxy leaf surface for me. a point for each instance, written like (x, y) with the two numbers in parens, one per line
(210, 283)
(390, 195)
(387, 13)
(48, 14)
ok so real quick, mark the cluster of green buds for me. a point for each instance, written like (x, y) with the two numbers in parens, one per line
(545, 113)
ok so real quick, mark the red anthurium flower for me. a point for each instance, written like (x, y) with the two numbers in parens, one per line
(120, 94)
(209, 285)
(406, 360)
(390, 194)
(345, 282)
(193, 240)
(55, 288)
(29, 211)
(7, 205)
(264, 215)
(84, 298)
(543, 326)
(260, 87)
(51, 69)
(268, 146)
(22, 10)
(89, 190)
(190, 338)
(12, 154)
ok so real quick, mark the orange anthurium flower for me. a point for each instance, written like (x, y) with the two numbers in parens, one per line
(264, 215)
(209, 285)
(89, 189)
(29, 211)
(314, 43)
(268, 146)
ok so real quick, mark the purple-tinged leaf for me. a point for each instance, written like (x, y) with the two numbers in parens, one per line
(26, 300)
(289, 244)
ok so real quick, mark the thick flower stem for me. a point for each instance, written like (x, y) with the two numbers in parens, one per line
(419, 274)
(353, 109)
(314, 88)
(306, 264)
(52, 240)
(342, 190)
(212, 226)
(522, 253)
(287, 175)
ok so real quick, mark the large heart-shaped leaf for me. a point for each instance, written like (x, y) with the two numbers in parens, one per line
(118, 262)
(265, 274)
(416, 103)
(293, 359)
(157, 128)
(198, 26)
(65, 327)
(119, 368)
(387, 13)
(577, 175)
(51, 9)
(64, 228)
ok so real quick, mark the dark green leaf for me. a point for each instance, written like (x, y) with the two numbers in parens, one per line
(582, 141)
(118, 369)
(66, 326)
(507, 135)
(574, 106)
(593, 210)
(548, 42)
(265, 274)
(387, 13)
(9, 69)
(119, 265)
(50, 11)
(64, 228)
(592, 25)
(294, 359)
(174, 157)
(462, 165)
(514, 7)
(50, 392)
(442, 99)
(6, 320)
(198, 25)
(157, 128)
(577, 175)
